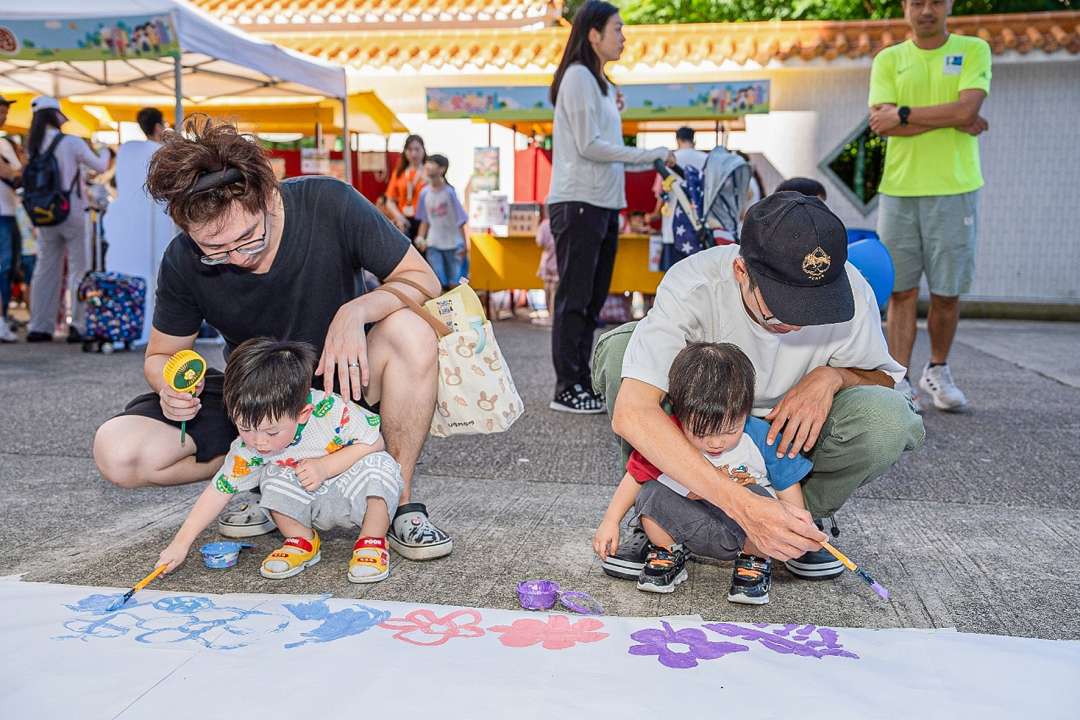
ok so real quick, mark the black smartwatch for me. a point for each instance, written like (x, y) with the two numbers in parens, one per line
(903, 111)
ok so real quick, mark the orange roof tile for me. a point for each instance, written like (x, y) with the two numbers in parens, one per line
(539, 50)
(384, 14)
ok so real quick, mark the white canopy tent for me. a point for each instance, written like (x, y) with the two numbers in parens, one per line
(151, 49)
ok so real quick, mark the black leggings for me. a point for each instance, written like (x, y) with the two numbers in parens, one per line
(586, 238)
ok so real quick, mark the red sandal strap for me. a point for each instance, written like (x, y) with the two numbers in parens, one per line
(369, 542)
(299, 542)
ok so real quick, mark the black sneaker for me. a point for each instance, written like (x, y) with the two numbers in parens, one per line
(74, 337)
(37, 336)
(629, 560)
(664, 569)
(750, 580)
(578, 400)
(815, 565)
(818, 564)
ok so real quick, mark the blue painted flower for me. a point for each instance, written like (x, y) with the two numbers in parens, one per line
(680, 648)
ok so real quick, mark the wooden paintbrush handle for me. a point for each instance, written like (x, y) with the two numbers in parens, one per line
(149, 578)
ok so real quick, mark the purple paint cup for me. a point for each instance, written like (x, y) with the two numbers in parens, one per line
(538, 594)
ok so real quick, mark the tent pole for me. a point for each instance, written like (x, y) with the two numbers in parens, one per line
(346, 150)
(178, 116)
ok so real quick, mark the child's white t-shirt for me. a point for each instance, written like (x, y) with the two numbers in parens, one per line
(334, 423)
(744, 457)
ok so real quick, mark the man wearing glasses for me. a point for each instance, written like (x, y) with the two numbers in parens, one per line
(260, 258)
(825, 381)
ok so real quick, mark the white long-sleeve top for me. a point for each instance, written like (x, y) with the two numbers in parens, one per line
(588, 154)
(70, 153)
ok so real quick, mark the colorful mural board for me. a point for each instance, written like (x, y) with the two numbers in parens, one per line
(99, 38)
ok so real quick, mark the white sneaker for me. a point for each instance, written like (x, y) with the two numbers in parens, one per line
(937, 382)
(904, 388)
(6, 336)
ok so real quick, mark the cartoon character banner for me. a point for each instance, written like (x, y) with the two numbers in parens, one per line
(103, 38)
(173, 655)
(693, 101)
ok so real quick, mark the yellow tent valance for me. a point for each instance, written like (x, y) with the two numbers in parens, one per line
(81, 122)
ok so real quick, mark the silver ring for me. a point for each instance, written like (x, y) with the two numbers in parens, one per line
(354, 364)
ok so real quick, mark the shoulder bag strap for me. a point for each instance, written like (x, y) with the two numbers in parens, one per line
(440, 328)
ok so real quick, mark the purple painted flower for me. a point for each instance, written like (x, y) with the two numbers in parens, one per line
(680, 648)
(781, 641)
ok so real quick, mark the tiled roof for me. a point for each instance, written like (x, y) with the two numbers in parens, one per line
(364, 14)
(659, 45)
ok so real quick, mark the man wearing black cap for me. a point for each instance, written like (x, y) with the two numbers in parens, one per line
(825, 380)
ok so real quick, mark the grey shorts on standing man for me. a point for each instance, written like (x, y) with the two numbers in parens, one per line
(933, 234)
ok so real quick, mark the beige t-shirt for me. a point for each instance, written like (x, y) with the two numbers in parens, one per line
(699, 301)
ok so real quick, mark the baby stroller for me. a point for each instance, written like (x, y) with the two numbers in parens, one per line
(707, 204)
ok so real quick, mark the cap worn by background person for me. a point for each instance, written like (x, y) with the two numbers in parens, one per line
(795, 249)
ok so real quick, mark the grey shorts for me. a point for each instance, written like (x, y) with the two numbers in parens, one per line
(341, 501)
(934, 234)
(703, 528)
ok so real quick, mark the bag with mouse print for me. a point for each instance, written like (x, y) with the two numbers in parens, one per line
(476, 393)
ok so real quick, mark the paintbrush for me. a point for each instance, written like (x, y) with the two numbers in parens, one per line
(874, 584)
(138, 586)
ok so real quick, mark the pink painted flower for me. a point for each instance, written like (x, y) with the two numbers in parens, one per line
(556, 633)
(423, 627)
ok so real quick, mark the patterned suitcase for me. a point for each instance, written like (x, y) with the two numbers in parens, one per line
(115, 304)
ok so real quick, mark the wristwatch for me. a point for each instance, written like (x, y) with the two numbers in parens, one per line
(903, 111)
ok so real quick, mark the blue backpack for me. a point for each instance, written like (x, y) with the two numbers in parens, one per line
(46, 201)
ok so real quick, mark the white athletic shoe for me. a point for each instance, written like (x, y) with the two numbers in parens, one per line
(938, 384)
(6, 336)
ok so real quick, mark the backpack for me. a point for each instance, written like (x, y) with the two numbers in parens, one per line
(46, 201)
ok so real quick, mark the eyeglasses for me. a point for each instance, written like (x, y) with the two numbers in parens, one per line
(251, 247)
(770, 320)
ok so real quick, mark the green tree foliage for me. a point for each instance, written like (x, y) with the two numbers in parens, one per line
(663, 12)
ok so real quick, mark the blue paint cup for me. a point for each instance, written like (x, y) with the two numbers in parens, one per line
(221, 555)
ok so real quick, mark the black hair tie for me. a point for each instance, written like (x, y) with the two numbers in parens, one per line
(216, 179)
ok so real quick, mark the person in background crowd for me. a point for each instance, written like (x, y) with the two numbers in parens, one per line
(442, 235)
(548, 271)
(11, 165)
(587, 192)
(138, 228)
(925, 97)
(68, 239)
(403, 192)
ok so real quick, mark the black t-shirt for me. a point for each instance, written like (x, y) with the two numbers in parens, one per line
(331, 232)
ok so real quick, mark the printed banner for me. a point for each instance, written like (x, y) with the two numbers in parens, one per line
(103, 38)
(694, 101)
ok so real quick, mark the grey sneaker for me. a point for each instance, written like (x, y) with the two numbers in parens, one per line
(243, 518)
(937, 382)
(413, 536)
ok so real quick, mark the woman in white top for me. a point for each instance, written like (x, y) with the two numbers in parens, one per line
(67, 238)
(587, 193)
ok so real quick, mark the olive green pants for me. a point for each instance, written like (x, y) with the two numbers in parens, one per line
(866, 431)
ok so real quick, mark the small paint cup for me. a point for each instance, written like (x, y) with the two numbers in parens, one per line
(538, 594)
(221, 555)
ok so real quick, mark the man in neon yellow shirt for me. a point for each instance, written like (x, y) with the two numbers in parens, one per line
(925, 96)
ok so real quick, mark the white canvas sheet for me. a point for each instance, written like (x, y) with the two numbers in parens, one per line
(168, 655)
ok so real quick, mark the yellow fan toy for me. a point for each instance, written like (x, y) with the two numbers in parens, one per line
(183, 373)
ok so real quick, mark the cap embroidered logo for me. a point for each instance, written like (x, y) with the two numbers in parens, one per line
(816, 263)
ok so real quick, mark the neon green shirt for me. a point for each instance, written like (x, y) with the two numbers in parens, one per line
(943, 161)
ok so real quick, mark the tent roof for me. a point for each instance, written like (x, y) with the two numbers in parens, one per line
(217, 60)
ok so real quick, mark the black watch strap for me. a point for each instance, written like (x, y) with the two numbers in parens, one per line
(903, 111)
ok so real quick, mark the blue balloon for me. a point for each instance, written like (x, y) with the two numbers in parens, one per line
(872, 259)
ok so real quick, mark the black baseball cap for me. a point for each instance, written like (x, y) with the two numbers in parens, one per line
(795, 249)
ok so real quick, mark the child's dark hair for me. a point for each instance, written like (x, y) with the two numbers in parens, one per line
(439, 160)
(806, 186)
(267, 379)
(711, 387)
